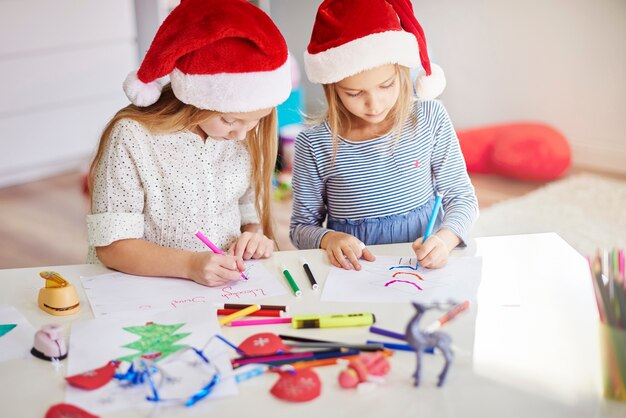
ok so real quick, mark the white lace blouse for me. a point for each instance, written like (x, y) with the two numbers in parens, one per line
(162, 188)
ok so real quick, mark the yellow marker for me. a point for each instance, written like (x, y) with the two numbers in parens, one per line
(243, 312)
(332, 321)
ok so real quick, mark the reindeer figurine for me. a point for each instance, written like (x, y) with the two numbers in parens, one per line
(422, 340)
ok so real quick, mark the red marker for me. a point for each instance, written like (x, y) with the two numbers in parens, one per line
(451, 314)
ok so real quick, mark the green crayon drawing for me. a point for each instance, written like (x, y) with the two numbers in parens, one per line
(157, 341)
(5, 328)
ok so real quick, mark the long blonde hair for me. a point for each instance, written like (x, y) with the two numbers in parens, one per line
(169, 114)
(338, 117)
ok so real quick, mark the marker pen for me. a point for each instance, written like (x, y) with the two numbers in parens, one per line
(332, 321)
(448, 316)
(292, 283)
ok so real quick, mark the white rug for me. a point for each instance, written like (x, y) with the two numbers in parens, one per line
(587, 211)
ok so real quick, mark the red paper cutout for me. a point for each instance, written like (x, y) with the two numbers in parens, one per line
(66, 410)
(263, 344)
(300, 386)
(94, 379)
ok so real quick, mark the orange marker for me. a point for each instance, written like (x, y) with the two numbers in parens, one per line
(451, 314)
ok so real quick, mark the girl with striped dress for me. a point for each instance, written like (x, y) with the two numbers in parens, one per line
(370, 171)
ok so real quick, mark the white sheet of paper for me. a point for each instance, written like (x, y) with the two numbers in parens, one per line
(16, 334)
(395, 279)
(93, 343)
(119, 292)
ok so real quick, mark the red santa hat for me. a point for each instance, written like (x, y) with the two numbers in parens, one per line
(351, 36)
(221, 55)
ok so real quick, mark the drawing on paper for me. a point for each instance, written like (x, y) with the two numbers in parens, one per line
(157, 341)
(6, 328)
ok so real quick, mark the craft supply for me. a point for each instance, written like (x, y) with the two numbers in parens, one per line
(269, 321)
(448, 316)
(231, 345)
(272, 359)
(433, 217)
(49, 343)
(392, 346)
(331, 321)
(263, 307)
(330, 344)
(263, 344)
(58, 297)
(244, 373)
(386, 333)
(261, 312)
(213, 247)
(242, 312)
(309, 273)
(292, 283)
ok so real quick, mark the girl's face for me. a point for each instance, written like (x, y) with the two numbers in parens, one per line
(370, 95)
(232, 125)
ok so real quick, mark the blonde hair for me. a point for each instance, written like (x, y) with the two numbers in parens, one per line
(169, 114)
(338, 117)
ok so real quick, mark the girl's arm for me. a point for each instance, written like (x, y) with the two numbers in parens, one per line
(309, 192)
(143, 258)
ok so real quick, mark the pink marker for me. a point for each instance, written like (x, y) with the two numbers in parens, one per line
(268, 321)
(213, 248)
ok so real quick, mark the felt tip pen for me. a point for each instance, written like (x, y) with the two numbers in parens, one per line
(261, 312)
(448, 316)
(333, 321)
(264, 307)
(433, 217)
(309, 273)
(243, 312)
(292, 283)
(213, 248)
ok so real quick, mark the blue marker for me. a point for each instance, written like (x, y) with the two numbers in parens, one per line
(433, 217)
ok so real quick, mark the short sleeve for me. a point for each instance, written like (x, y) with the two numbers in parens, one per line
(118, 195)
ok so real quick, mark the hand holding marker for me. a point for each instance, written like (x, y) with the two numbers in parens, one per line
(214, 248)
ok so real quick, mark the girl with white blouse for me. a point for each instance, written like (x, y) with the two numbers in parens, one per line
(197, 154)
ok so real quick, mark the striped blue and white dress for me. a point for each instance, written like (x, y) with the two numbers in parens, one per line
(382, 190)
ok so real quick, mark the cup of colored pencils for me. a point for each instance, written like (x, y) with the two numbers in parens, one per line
(608, 275)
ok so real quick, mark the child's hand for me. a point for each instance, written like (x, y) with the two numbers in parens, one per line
(344, 250)
(252, 245)
(433, 253)
(210, 269)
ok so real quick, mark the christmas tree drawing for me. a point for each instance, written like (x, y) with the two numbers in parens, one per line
(157, 341)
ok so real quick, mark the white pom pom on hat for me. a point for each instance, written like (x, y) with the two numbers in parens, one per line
(139, 93)
(429, 87)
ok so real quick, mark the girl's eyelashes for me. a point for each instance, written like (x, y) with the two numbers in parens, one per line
(353, 94)
(227, 122)
(388, 85)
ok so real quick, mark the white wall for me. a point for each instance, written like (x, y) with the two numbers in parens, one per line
(562, 62)
(62, 63)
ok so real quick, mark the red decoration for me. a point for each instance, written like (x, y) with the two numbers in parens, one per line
(523, 151)
(94, 379)
(297, 386)
(263, 344)
(66, 410)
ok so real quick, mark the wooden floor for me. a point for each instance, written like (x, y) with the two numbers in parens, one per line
(43, 223)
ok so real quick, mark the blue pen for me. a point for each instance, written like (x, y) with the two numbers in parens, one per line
(433, 217)
(401, 347)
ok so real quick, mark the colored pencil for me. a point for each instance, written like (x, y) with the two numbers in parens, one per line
(386, 333)
(261, 312)
(243, 312)
(263, 307)
(328, 344)
(269, 321)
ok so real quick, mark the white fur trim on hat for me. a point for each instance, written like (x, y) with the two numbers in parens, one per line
(140, 93)
(371, 51)
(431, 86)
(233, 92)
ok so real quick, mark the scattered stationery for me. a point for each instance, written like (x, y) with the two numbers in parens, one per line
(269, 321)
(333, 321)
(292, 283)
(433, 217)
(263, 307)
(260, 312)
(309, 273)
(448, 316)
(240, 313)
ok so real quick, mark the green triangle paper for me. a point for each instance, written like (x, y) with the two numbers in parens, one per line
(155, 338)
(5, 328)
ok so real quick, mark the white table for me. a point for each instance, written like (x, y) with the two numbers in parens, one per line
(529, 348)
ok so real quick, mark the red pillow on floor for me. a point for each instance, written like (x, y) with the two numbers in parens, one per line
(524, 151)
